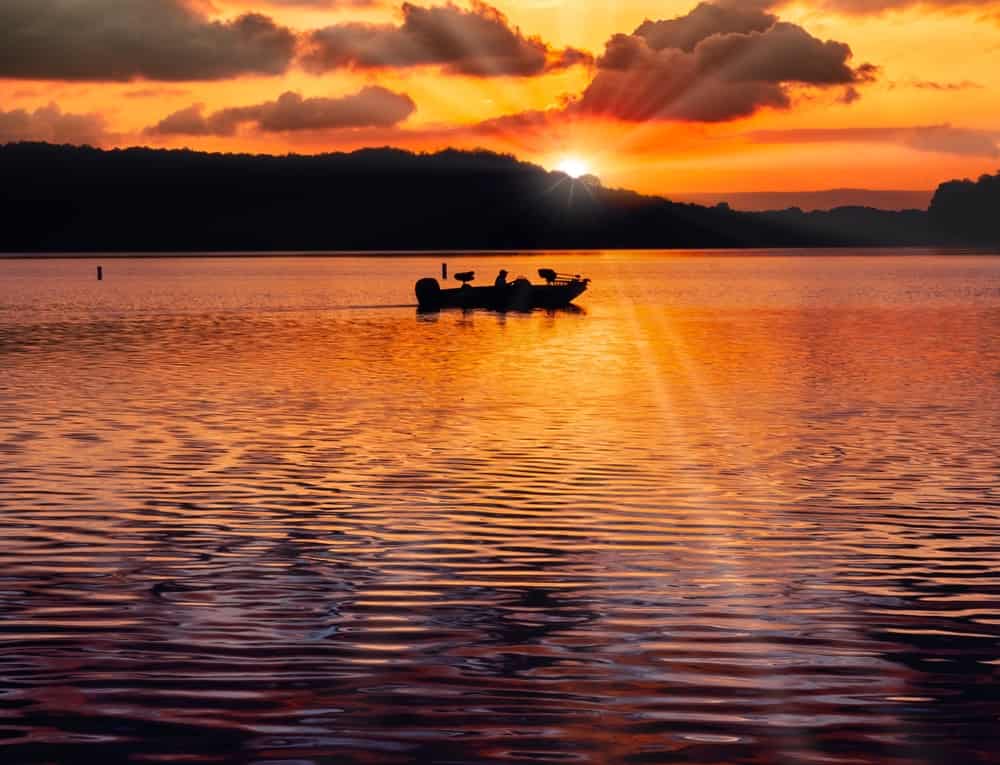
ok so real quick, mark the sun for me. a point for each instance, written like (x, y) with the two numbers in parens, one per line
(574, 167)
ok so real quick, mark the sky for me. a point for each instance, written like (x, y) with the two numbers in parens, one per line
(673, 97)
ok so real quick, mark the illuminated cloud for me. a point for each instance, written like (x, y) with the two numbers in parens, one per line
(51, 124)
(322, 3)
(942, 139)
(110, 40)
(479, 42)
(371, 107)
(865, 7)
(706, 20)
(718, 63)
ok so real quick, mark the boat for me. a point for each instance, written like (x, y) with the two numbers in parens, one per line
(558, 291)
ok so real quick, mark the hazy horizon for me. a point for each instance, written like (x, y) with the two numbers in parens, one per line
(810, 200)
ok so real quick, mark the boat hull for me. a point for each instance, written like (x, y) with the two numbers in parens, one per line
(519, 296)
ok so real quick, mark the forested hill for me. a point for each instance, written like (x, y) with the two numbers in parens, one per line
(967, 212)
(61, 198)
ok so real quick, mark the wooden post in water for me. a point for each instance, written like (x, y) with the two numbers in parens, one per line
(100, 273)
(444, 271)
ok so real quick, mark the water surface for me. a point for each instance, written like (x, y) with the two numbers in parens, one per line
(735, 510)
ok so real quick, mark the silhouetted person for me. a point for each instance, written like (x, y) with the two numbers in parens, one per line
(501, 280)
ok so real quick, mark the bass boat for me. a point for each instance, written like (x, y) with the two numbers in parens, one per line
(558, 291)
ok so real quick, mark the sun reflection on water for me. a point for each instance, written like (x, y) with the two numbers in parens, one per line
(737, 508)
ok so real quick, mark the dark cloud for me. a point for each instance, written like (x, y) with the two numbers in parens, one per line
(111, 40)
(943, 139)
(644, 84)
(371, 107)
(51, 124)
(706, 20)
(478, 42)
(783, 53)
(719, 62)
(192, 121)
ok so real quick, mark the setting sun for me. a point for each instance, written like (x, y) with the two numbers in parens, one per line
(574, 167)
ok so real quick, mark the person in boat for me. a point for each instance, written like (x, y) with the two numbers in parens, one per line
(501, 280)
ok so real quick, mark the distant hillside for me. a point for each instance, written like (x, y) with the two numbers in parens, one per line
(758, 201)
(968, 212)
(60, 198)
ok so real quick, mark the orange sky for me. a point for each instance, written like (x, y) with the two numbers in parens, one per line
(929, 112)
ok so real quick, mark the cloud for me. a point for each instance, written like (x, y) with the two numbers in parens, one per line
(479, 42)
(154, 93)
(706, 20)
(717, 63)
(51, 124)
(986, 8)
(948, 86)
(323, 3)
(783, 53)
(111, 40)
(943, 139)
(370, 107)
(311, 5)
(869, 7)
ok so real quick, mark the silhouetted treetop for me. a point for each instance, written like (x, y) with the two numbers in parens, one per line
(968, 212)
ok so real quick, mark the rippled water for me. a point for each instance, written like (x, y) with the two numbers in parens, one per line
(737, 509)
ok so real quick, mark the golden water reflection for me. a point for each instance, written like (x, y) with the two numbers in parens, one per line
(736, 510)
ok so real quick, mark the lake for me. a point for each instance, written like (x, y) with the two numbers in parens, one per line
(736, 509)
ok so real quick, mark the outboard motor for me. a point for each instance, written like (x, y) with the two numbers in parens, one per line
(552, 277)
(429, 294)
(548, 275)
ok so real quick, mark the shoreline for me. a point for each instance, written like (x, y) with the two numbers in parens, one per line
(832, 251)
